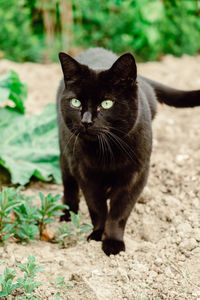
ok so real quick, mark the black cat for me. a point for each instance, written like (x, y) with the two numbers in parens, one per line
(104, 115)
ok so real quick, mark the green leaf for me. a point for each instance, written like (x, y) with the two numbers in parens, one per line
(8, 228)
(4, 93)
(9, 274)
(42, 198)
(26, 233)
(11, 287)
(5, 237)
(4, 87)
(12, 204)
(75, 219)
(60, 281)
(11, 87)
(22, 267)
(29, 146)
(54, 208)
(85, 228)
(48, 220)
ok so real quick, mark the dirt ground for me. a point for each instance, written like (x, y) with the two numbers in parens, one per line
(162, 258)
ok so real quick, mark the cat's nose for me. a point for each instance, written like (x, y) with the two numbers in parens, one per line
(87, 119)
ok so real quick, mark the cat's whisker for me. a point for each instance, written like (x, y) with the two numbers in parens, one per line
(121, 144)
(125, 147)
(104, 152)
(117, 129)
(73, 134)
(108, 147)
(100, 147)
(68, 142)
(74, 147)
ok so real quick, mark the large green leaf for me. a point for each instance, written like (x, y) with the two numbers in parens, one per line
(29, 146)
(12, 88)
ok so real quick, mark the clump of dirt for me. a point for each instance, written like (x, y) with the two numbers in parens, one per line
(163, 232)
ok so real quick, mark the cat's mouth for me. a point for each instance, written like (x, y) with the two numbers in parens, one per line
(87, 134)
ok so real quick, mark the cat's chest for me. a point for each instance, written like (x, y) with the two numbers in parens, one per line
(109, 172)
(112, 160)
(93, 161)
(106, 177)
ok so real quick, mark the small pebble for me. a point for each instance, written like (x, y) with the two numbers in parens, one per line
(169, 273)
(113, 263)
(158, 261)
(188, 244)
(184, 227)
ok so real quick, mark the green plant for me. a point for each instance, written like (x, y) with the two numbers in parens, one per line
(29, 146)
(74, 232)
(26, 221)
(79, 226)
(64, 234)
(17, 41)
(12, 88)
(27, 282)
(180, 19)
(17, 217)
(148, 28)
(7, 204)
(49, 209)
(6, 282)
(60, 282)
(20, 219)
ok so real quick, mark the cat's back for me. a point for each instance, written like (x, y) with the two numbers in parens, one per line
(97, 58)
(146, 94)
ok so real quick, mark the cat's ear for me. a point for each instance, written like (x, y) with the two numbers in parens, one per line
(71, 68)
(124, 69)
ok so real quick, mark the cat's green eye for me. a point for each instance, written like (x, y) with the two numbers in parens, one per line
(106, 104)
(75, 103)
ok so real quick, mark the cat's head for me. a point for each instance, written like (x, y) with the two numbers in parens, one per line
(99, 102)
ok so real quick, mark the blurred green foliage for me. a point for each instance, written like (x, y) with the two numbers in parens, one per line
(148, 28)
(36, 29)
(16, 39)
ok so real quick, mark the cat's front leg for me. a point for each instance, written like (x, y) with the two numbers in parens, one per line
(70, 197)
(122, 201)
(71, 191)
(96, 201)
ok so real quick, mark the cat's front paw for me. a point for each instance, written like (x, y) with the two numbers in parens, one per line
(66, 216)
(95, 235)
(110, 246)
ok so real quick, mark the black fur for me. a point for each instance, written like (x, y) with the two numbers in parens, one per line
(106, 152)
